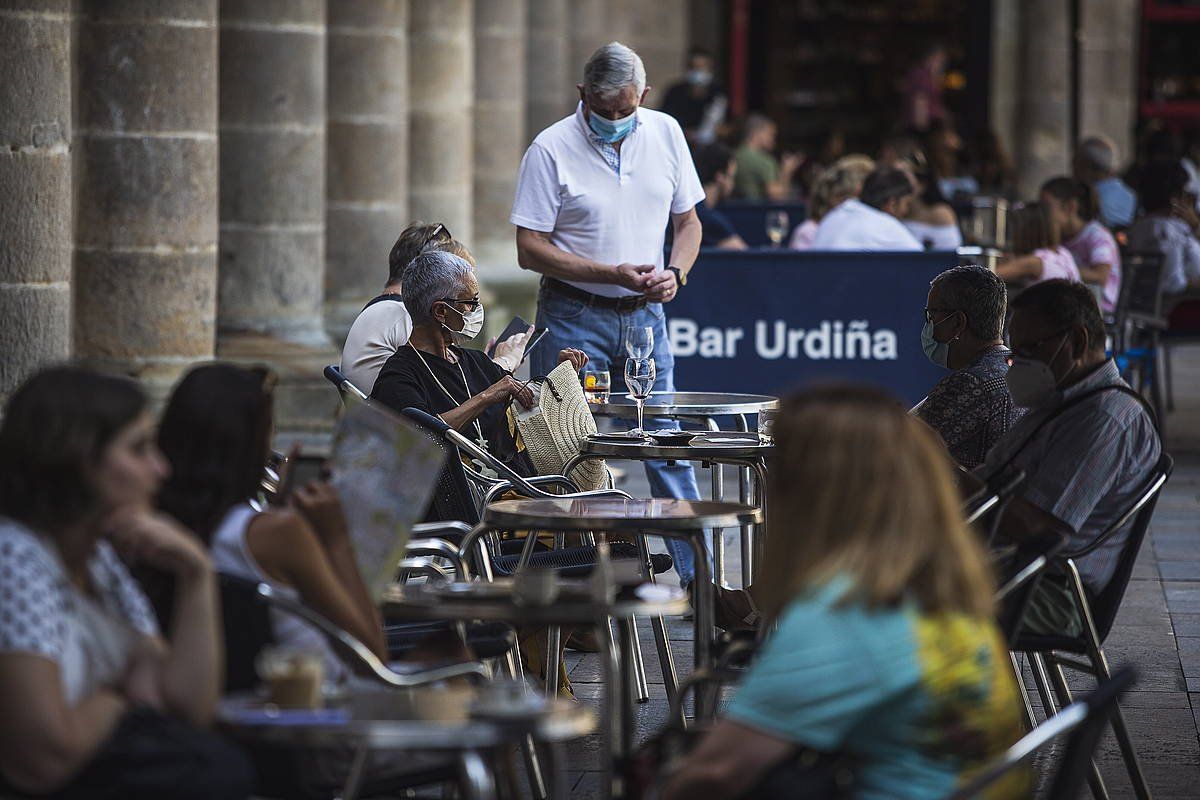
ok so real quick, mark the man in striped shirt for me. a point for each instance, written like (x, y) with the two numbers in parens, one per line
(1086, 446)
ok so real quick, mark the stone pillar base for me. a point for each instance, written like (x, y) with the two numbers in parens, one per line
(306, 405)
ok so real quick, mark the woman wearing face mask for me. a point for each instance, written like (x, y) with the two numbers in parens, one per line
(435, 373)
(970, 408)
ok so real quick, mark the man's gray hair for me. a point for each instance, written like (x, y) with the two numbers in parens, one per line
(1099, 153)
(979, 294)
(431, 277)
(611, 68)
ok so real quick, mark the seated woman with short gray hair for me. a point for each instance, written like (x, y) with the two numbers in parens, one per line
(964, 319)
(434, 372)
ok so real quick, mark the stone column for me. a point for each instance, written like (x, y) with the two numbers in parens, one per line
(441, 72)
(1043, 145)
(35, 187)
(593, 23)
(146, 186)
(549, 73)
(1108, 46)
(272, 261)
(499, 130)
(658, 32)
(367, 158)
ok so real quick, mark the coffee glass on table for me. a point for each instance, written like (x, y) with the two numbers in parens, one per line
(293, 676)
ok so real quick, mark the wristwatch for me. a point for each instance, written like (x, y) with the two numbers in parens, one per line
(680, 276)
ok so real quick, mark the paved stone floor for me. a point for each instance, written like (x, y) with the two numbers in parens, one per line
(1158, 631)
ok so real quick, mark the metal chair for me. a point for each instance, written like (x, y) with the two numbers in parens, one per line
(243, 594)
(1048, 654)
(485, 549)
(333, 374)
(1138, 325)
(1082, 722)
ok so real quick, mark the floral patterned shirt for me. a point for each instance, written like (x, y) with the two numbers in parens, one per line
(971, 408)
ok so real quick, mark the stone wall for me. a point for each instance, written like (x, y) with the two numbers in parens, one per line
(35, 187)
(180, 178)
(146, 186)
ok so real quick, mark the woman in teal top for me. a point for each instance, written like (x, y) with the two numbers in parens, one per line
(885, 649)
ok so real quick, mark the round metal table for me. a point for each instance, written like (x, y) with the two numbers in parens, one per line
(699, 406)
(497, 601)
(684, 519)
(747, 451)
(426, 719)
(704, 408)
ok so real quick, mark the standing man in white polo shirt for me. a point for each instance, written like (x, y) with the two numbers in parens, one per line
(594, 196)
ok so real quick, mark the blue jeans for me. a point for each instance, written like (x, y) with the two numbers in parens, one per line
(599, 333)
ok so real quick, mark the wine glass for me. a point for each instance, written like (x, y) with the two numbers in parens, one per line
(639, 379)
(639, 341)
(777, 226)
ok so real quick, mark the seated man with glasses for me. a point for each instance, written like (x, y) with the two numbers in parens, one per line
(1086, 446)
(964, 319)
(384, 324)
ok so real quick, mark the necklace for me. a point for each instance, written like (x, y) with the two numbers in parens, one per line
(480, 439)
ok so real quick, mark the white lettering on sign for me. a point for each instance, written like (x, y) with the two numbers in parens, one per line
(829, 340)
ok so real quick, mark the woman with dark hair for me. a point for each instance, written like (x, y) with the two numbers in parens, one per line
(216, 433)
(92, 693)
(930, 218)
(1036, 252)
(894, 662)
(1074, 209)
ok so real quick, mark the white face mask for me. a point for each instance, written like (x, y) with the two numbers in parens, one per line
(472, 324)
(1032, 382)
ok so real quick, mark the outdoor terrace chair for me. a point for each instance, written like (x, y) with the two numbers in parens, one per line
(1048, 654)
(482, 547)
(1082, 723)
(1138, 324)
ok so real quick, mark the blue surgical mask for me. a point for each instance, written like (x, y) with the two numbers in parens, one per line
(611, 130)
(935, 351)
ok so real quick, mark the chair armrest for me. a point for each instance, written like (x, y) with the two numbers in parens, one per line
(1146, 321)
(450, 530)
(439, 548)
(422, 566)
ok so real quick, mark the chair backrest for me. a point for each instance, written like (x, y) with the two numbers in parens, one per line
(1082, 723)
(334, 375)
(452, 499)
(247, 627)
(1108, 601)
(1141, 287)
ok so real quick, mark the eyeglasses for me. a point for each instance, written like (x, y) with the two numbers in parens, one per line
(929, 312)
(470, 304)
(440, 233)
(1027, 351)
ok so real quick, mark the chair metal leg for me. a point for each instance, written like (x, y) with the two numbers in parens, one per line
(639, 665)
(1095, 780)
(666, 659)
(477, 780)
(1041, 679)
(1128, 754)
(553, 659)
(1030, 720)
(1165, 351)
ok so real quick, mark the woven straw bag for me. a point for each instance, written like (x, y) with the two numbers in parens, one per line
(554, 429)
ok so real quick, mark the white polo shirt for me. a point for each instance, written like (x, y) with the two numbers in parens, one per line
(854, 225)
(566, 188)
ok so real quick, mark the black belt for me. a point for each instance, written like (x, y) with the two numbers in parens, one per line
(630, 303)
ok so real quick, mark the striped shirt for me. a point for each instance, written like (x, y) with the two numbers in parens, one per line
(1085, 466)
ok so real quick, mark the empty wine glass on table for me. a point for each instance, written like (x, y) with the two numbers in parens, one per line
(639, 379)
(639, 341)
(777, 226)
